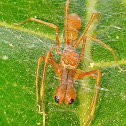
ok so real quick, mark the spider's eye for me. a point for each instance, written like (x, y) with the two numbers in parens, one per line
(66, 62)
(56, 99)
(72, 63)
(71, 101)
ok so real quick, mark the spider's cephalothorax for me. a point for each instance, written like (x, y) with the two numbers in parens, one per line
(68, 64)
(69, 58)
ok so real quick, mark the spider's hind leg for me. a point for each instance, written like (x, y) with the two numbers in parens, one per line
(47, 24)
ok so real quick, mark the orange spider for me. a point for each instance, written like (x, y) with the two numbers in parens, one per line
(66, 70)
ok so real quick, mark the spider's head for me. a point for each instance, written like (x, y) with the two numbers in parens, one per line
(69, 59)
(65, 93)
(69, 62)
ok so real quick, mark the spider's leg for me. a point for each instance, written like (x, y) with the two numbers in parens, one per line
(87, 27)
(107, 47)
(49, 25)
(81, 74)
(47, 59)
(37, 76)
(65, 21)
(42, 87)
(82, 50)
(94, 99)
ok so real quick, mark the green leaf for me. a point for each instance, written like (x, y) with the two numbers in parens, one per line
(20, 48)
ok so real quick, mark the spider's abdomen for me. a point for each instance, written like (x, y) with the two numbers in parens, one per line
(74, 23)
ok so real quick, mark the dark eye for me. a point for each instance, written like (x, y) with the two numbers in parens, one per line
(66, 62)
(56, 99)
(71, 101)
(63, 59)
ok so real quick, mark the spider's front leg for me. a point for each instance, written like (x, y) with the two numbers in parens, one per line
(47, 59)
(95, 74)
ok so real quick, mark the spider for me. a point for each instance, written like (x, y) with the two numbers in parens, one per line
(67, 70)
